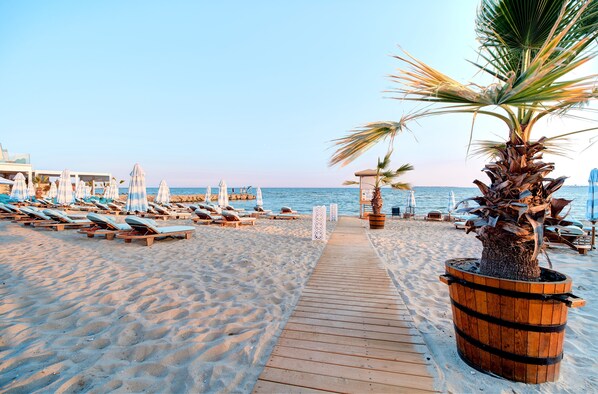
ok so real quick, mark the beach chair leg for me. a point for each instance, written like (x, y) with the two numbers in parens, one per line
(128, 240)
(59, 227)
(149, 241)
(187, 235)
(109, 237)
(89, 235)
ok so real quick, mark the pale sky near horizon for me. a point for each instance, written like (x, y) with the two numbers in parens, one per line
(252, 92)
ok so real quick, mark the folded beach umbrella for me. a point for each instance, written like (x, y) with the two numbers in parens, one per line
(451, 202)
(106, 190)
(411, 202)
(113, 190)
(64, 194)
(222, 194)
(137, 198)
(258, 197)
(163, 196)
(592, 203)
(31, 191)
(53, 190)
(19, 188)
(87, 191)
(80, 191)
(208, 197)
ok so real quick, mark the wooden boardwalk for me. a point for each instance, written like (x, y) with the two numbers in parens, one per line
(350, 330)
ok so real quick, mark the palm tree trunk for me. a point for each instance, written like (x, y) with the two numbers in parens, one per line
(377, 201)
(504, 255)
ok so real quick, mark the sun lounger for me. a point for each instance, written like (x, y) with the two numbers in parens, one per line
(232, 219)
(287, 210)
(104, 225)
(434, 216)
(148, 231)
(282, 216)
(34, 215)
(166, 214)
(12, 212)
(204, 217)
(61, 221)
(570, 235)
(210, 208)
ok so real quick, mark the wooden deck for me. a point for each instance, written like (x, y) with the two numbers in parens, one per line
(350, 331)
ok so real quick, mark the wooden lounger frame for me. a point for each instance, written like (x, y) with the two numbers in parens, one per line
(59, 226)
(283, 216)
(129, 236)
(93, 231)
(29, 222)
(236, 223)
(198, 220)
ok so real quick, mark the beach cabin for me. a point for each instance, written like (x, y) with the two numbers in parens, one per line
(367, 180)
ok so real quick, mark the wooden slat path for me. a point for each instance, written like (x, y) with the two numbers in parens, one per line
(350, 331)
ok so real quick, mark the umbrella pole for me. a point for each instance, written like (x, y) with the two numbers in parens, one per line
(593, 234)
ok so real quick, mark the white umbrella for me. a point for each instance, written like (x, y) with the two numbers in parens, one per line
(208, 197)
(137, 198)
(258, 197)
(451, 202)
(113, 192)
(19, 188)
(411, 203)
(31, 191)
(163, 196)
(106, 190)
(65, 189)
(592, 202)
(53, 190)
(87, 191)
(80, 191)
(222, 194)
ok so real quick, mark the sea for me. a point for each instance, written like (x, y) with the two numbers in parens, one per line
(427, 198)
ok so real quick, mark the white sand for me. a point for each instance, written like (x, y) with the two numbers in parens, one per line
(414, 253)
(92, 315)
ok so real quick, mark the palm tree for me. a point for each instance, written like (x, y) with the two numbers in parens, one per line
(385, 177)
(529, 48)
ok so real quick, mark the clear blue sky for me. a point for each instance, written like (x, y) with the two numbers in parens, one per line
(251, 92)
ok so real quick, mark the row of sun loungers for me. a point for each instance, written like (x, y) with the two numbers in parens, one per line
(134, 228)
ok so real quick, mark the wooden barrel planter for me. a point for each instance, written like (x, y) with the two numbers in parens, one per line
(513, 329)
(377, 221)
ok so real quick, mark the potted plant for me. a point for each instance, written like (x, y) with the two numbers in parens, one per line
(42, 185)
(501, 301)
(384, 177)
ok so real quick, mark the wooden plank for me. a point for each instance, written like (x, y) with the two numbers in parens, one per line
(356, 350)
(308, 290)
(404, 316)
(264, 386)
(357, 361)
(367, 375)
(332, 383)
(350, 325)
(370, 304)
(391, 312)
(355, 319)
(410, 337)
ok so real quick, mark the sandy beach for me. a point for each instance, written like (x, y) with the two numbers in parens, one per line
(414, 253)
(198, 315)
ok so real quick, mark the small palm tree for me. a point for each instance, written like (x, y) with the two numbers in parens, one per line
(528, 47)
(385, 177)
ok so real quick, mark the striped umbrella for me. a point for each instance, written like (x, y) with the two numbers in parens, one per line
(87, 191)
(208, 197)
(65, 189)
(53, 190)
(31, 191)
(137, 198)
(222, 194)
(258, 197)
(80, 191)
(19, 188)
(411, 203)
(163, 196)
(106, 191)
(592, 203)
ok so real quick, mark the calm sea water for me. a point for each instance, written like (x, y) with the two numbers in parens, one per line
(427, 198)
